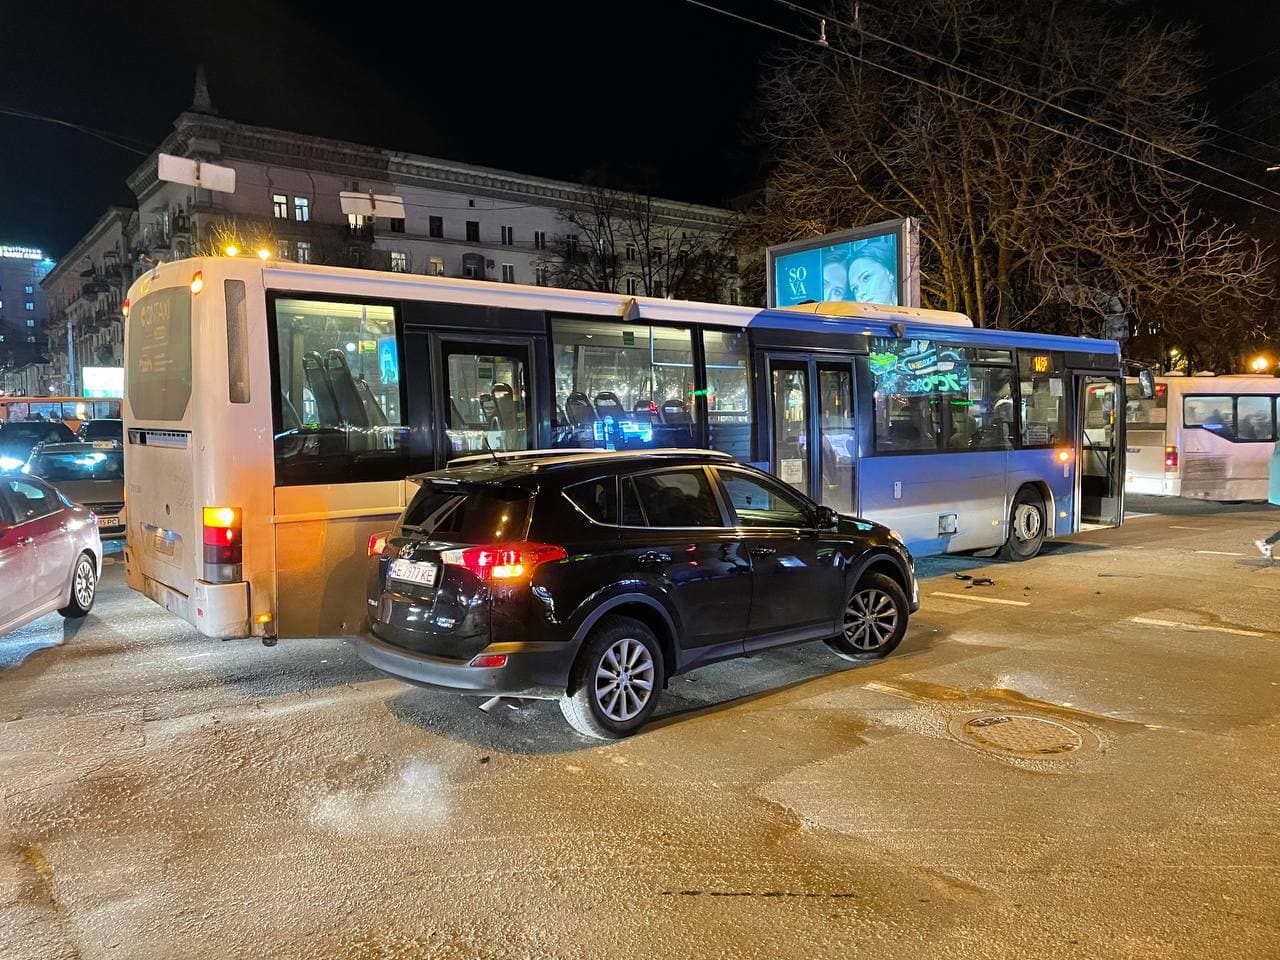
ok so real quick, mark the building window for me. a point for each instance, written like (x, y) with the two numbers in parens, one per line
(31, 322)
(399, 261)
(473, 231)
(471, 203)
(508, 236)
(435, 226)
(284, 252)
(397, 224)
(301, 209)
(437, 266)
(356, 220)
(304, 251)
(656, 254)
(280, 206)
(630, 251)
(633, 285)
(508, 273)
(31, 339)
(540, 239)
(28, 289)
(658, 289)
(1, 338)
(540, 274)
(28, 305)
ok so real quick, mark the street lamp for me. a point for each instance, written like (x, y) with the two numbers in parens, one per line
(1260, 364)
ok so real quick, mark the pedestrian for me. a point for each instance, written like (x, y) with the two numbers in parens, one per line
(1267, 544)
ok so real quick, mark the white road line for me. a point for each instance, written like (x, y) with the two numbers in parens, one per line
(1174, 526)
(1221, 553)
(965, 596)
(1200, 626)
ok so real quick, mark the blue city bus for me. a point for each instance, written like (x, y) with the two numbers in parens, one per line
(319, 390)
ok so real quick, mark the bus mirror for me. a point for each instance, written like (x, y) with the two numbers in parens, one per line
(1146, 384)
(828, 519)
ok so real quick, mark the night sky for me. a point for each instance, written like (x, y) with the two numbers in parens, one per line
(555, 89)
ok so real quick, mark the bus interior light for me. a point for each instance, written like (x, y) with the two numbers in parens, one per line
(197, 281)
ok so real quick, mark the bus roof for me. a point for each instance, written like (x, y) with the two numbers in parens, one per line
(871, 319)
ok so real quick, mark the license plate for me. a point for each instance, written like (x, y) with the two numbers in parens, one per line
(413, 571)
(108, 521)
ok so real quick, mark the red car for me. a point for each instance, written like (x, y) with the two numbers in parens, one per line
(50, 553)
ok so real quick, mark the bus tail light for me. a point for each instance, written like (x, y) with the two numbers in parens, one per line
(1171, 459)
(197, 281)
(124, 308)
(378, 543)
(223, 547)
(504, 561)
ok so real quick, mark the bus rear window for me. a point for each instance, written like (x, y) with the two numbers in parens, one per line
(159, 374)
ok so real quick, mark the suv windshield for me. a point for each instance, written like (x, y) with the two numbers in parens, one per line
(468, 514)
(86, 465)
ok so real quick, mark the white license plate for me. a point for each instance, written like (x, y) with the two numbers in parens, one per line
(108, 521)
(413, 571)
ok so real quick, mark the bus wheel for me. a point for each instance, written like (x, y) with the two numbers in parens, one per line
(1027, 525)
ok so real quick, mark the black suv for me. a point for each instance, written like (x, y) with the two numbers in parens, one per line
(593, 578)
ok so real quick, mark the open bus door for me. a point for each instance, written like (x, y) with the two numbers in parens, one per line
(1100, 449)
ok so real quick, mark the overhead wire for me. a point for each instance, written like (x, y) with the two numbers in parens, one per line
(932, 58)
(981, 103)
(116, 140)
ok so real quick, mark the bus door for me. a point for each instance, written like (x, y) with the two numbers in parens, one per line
(485, 394)
(1100, 429)
(812, 440)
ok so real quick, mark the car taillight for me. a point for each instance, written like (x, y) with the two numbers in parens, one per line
(223, 548)
(503, 561)
(1171, 458)
(378, 543)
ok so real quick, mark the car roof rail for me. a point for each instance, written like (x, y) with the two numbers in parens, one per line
(574, 453)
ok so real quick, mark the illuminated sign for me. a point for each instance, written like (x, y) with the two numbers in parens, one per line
(1041, 364)
(103, 381)
(867, 265)
(21, 253)
(917, 367)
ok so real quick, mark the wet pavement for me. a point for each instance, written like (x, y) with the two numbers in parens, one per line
(1076, 761)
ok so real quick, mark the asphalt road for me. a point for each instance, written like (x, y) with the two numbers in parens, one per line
(1117, 796)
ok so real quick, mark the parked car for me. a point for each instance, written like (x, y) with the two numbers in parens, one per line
(19, 437)
(102, 429)
(593, 578)
(50, 553)
(91, 474)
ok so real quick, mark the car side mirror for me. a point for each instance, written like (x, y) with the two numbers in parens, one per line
(1146, 384)
(827, 519)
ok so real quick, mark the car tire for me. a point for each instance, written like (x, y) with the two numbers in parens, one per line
(1028, 522)
(84, 588)
(596, 704)
(874, 619)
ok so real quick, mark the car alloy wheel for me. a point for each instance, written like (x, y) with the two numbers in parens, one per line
(624, 680)
(85, 583)
(871, 619)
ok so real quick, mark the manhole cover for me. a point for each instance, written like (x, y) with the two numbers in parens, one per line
(1022, 736)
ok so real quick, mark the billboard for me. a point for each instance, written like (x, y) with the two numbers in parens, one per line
(875, 264)
(104, 381)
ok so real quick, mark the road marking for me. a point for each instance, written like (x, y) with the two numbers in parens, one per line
(1174, 526)
(965, 596)
(1200, 626)
(1221, 553)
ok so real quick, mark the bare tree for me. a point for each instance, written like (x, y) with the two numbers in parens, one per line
(616, 235)
(1030, 218)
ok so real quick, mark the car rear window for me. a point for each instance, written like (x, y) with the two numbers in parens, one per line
(83, 465)
(468, 514)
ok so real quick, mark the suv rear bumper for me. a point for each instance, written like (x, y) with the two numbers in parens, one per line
(535, 670)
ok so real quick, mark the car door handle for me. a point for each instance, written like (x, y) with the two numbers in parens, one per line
(763, 551)
(653, 556)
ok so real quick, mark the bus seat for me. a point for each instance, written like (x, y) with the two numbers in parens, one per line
(289, 418)
(370, 403)
(608, 405)
(504, 400)
(675, 412)
(579, 409)
(318, 380)
(350, 408)
(489, 407)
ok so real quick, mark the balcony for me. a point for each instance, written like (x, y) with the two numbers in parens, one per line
(360, 234)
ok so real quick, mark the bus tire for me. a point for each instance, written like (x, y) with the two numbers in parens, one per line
(1028, 523)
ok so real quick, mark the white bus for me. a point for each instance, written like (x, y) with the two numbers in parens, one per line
(1203, 436)
(274, 410)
